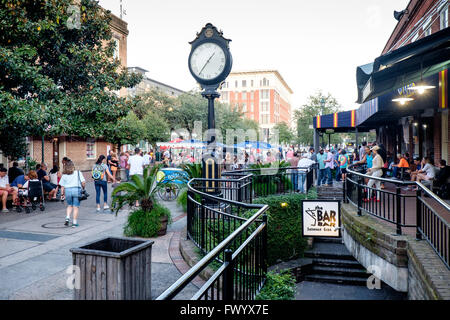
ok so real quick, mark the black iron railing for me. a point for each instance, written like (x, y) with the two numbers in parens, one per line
(398, 204)
(232, 235)
(431, 225)
(280, 180)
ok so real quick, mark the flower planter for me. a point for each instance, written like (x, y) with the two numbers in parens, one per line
(114, 269)
(163, 229)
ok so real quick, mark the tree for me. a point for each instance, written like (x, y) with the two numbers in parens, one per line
(156, 128)
(128, 130)
(285, 134)
(57, 76)
(317, 104)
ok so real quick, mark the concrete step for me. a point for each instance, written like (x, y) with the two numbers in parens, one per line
(328, 240)
(340, 271)
(336, 279)
(329, 251)
(351, 264)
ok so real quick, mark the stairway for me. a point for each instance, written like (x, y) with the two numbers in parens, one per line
(333, 263)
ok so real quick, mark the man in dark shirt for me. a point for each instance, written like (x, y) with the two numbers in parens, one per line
(14, 171)
(46, 184)
(444, 173)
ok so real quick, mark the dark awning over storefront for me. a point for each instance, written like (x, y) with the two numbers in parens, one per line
(403, 66)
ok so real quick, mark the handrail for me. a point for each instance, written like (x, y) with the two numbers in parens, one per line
(236, 172)
(405, 183)
(175, 288)
(211, 197)
(434, 196)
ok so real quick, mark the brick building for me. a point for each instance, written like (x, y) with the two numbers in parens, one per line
(84, 152)
(262, 96)
(404, 92)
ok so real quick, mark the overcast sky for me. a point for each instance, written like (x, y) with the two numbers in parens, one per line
(313, 44)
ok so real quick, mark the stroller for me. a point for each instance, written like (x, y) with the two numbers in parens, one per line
(33, 197)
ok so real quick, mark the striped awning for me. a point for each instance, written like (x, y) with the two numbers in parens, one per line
(338, 120)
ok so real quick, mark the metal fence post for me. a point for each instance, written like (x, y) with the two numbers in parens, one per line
(227, 288)
(359, 191)
(398, 210)
(418, 215)
(344, 188)
(264, 244)
(203, 225)
(189, 215)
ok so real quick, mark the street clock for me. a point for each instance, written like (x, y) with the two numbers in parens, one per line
(210, 59)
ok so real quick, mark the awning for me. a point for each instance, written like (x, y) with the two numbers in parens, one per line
(340, 121)
(403, 66)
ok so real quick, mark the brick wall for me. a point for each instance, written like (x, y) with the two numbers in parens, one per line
(437, 137)
(37, 151)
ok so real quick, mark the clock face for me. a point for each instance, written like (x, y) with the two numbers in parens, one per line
(208, 61)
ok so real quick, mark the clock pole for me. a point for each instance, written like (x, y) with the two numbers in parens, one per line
(221, 59)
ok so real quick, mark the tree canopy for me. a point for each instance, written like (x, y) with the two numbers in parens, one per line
(317, 104)
(57, 76)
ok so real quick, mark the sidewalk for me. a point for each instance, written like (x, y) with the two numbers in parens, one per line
(34, 249)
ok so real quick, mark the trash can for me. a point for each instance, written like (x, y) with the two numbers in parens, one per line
(114, 269)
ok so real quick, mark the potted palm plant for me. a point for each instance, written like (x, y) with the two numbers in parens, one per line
(193, 170)
(150, 218)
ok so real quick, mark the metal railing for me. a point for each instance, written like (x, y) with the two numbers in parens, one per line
(399, 205)
(280, 180)
(232, 235)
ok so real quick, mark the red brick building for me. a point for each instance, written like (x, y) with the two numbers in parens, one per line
(262, 96)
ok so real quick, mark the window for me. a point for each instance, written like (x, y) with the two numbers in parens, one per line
(244, 107)
(244, 95)
(264, 94)
(236, 84)
(444, 18)
(251, 107)
(90, 148)
(265, 106)
(116, 54)
(264, 82)
(427, 32)
(415, 37)
(225, 96)
(244, 83)
(264, 119)
(251, 83)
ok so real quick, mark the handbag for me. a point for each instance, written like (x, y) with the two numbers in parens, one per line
(83, 195)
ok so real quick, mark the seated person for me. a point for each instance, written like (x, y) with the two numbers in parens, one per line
(403, 163)
(32, 176)
(427, 173)
(14, 171)
(19, 182)
(443, 174)
(46, 184)
(6, 189)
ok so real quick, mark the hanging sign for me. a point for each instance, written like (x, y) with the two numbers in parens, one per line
(321, 218)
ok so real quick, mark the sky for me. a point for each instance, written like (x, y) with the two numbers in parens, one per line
(315, 45)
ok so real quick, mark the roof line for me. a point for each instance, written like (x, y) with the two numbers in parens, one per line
(266, 71)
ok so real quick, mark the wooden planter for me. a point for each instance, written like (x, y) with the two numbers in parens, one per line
(164, 221)
(114, 269)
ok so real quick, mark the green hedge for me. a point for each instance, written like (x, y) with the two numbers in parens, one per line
(284, 231)
(279, 286)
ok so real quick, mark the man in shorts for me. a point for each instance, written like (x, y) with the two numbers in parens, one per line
(6, 189)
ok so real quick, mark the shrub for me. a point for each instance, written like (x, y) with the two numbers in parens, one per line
(182, 199)
(278, 286)
(284, 233)
(145, 224)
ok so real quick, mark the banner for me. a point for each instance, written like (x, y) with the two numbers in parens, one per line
(321, 218)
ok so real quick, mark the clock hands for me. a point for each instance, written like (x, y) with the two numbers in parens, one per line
(206, 63)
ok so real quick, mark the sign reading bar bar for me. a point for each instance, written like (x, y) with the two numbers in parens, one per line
(321, 218)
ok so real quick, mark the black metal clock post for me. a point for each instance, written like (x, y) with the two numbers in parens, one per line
(219, 67)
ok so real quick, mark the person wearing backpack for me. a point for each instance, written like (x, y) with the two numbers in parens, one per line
(99, 172)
